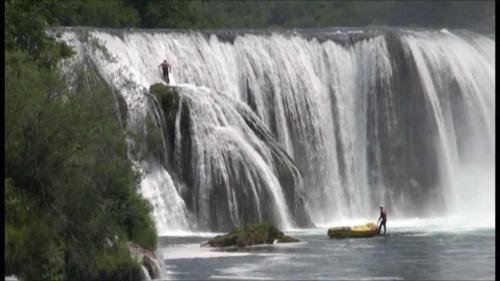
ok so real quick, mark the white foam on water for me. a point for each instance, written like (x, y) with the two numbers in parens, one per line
(345, 222)
(182, 233)
(237, 277)
(192, 251)
(373, 278)
(242, 271)
(454, 223)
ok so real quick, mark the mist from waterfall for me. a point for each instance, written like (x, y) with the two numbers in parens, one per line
(402, 118)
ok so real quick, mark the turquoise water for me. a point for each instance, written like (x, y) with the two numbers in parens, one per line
(403, 254)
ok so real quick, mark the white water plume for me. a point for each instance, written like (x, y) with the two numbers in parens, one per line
(440, 61)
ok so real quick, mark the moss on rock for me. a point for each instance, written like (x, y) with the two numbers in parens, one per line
(165, 94)
(252, 234)
(169, 102)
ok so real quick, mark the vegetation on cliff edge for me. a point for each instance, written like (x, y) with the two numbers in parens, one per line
(207, 14)
(71, 195)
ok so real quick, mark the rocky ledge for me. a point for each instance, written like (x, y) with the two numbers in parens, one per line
(147, 260)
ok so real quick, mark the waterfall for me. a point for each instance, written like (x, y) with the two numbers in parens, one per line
(458, 74)
(306, 124)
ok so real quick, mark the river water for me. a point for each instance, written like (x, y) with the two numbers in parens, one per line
(411, 250)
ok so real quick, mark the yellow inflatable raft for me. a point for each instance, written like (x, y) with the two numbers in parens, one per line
(366, 230)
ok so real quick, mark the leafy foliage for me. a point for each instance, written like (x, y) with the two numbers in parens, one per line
(25, 29)
(98, 13)
(66, 161)
(209, 14)
(71, 195)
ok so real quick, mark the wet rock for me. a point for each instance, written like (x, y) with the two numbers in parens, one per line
(147, 260)
(253, 234)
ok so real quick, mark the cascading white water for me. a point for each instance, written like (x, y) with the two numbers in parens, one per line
(338, 110)
(221, 136)
(442, 58)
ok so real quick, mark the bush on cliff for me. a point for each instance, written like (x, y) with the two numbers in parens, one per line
(167, 97)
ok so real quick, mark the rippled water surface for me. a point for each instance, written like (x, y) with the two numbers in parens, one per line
(403, 254)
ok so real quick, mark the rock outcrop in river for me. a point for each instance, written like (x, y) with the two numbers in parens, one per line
(253, 234)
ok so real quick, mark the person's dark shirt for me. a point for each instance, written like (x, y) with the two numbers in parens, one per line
(383, 215)
(164, 66)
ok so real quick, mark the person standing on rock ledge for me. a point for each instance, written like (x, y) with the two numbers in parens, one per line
(165, 67)
(383, 217)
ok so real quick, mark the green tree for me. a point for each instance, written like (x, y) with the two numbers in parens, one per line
(96, 13)
(26, 23)
(71, 195)
(66, 160)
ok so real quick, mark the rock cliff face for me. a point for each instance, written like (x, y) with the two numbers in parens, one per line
(147, 259)
(233, 170)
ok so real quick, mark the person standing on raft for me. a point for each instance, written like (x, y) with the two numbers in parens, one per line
(165, 67)
(383, 218)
